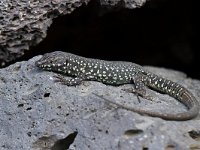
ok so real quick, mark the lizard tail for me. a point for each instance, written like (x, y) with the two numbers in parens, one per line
(173, 89)
(193, 112)
(178, 92)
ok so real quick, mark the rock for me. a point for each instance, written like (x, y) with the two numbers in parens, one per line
(38, 114)
(24, 23)
(130, 4)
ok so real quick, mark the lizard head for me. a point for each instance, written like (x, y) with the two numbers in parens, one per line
(55, 61)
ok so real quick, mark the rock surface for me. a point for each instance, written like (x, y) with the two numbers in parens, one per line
(38, 114)
(25, 23)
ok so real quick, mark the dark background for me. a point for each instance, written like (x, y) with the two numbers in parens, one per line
(161, 33)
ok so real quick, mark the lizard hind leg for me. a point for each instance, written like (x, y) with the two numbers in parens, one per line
(139, 88)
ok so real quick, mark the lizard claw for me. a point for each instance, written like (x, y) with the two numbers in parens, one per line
(139, 93)
(59, 78)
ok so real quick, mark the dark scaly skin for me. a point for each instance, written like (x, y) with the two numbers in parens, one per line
(118, 73)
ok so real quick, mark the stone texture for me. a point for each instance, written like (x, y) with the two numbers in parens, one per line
(38, 114)
(25, 23)
(130, 4)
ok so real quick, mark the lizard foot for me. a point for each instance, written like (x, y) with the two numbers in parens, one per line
(61, 79)
(69, 82)
(139, 93)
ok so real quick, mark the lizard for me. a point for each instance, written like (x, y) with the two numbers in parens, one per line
(117, 73)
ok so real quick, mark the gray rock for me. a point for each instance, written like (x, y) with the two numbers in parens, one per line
(130, 4)
(25, 23)
(38, 114)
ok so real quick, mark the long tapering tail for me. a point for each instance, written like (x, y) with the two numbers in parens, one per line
(171, 88)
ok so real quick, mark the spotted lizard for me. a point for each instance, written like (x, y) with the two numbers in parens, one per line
(119, 73)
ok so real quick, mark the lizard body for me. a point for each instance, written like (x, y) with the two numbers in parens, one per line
(118, 73)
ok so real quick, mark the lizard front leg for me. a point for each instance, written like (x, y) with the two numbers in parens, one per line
(69, 82)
